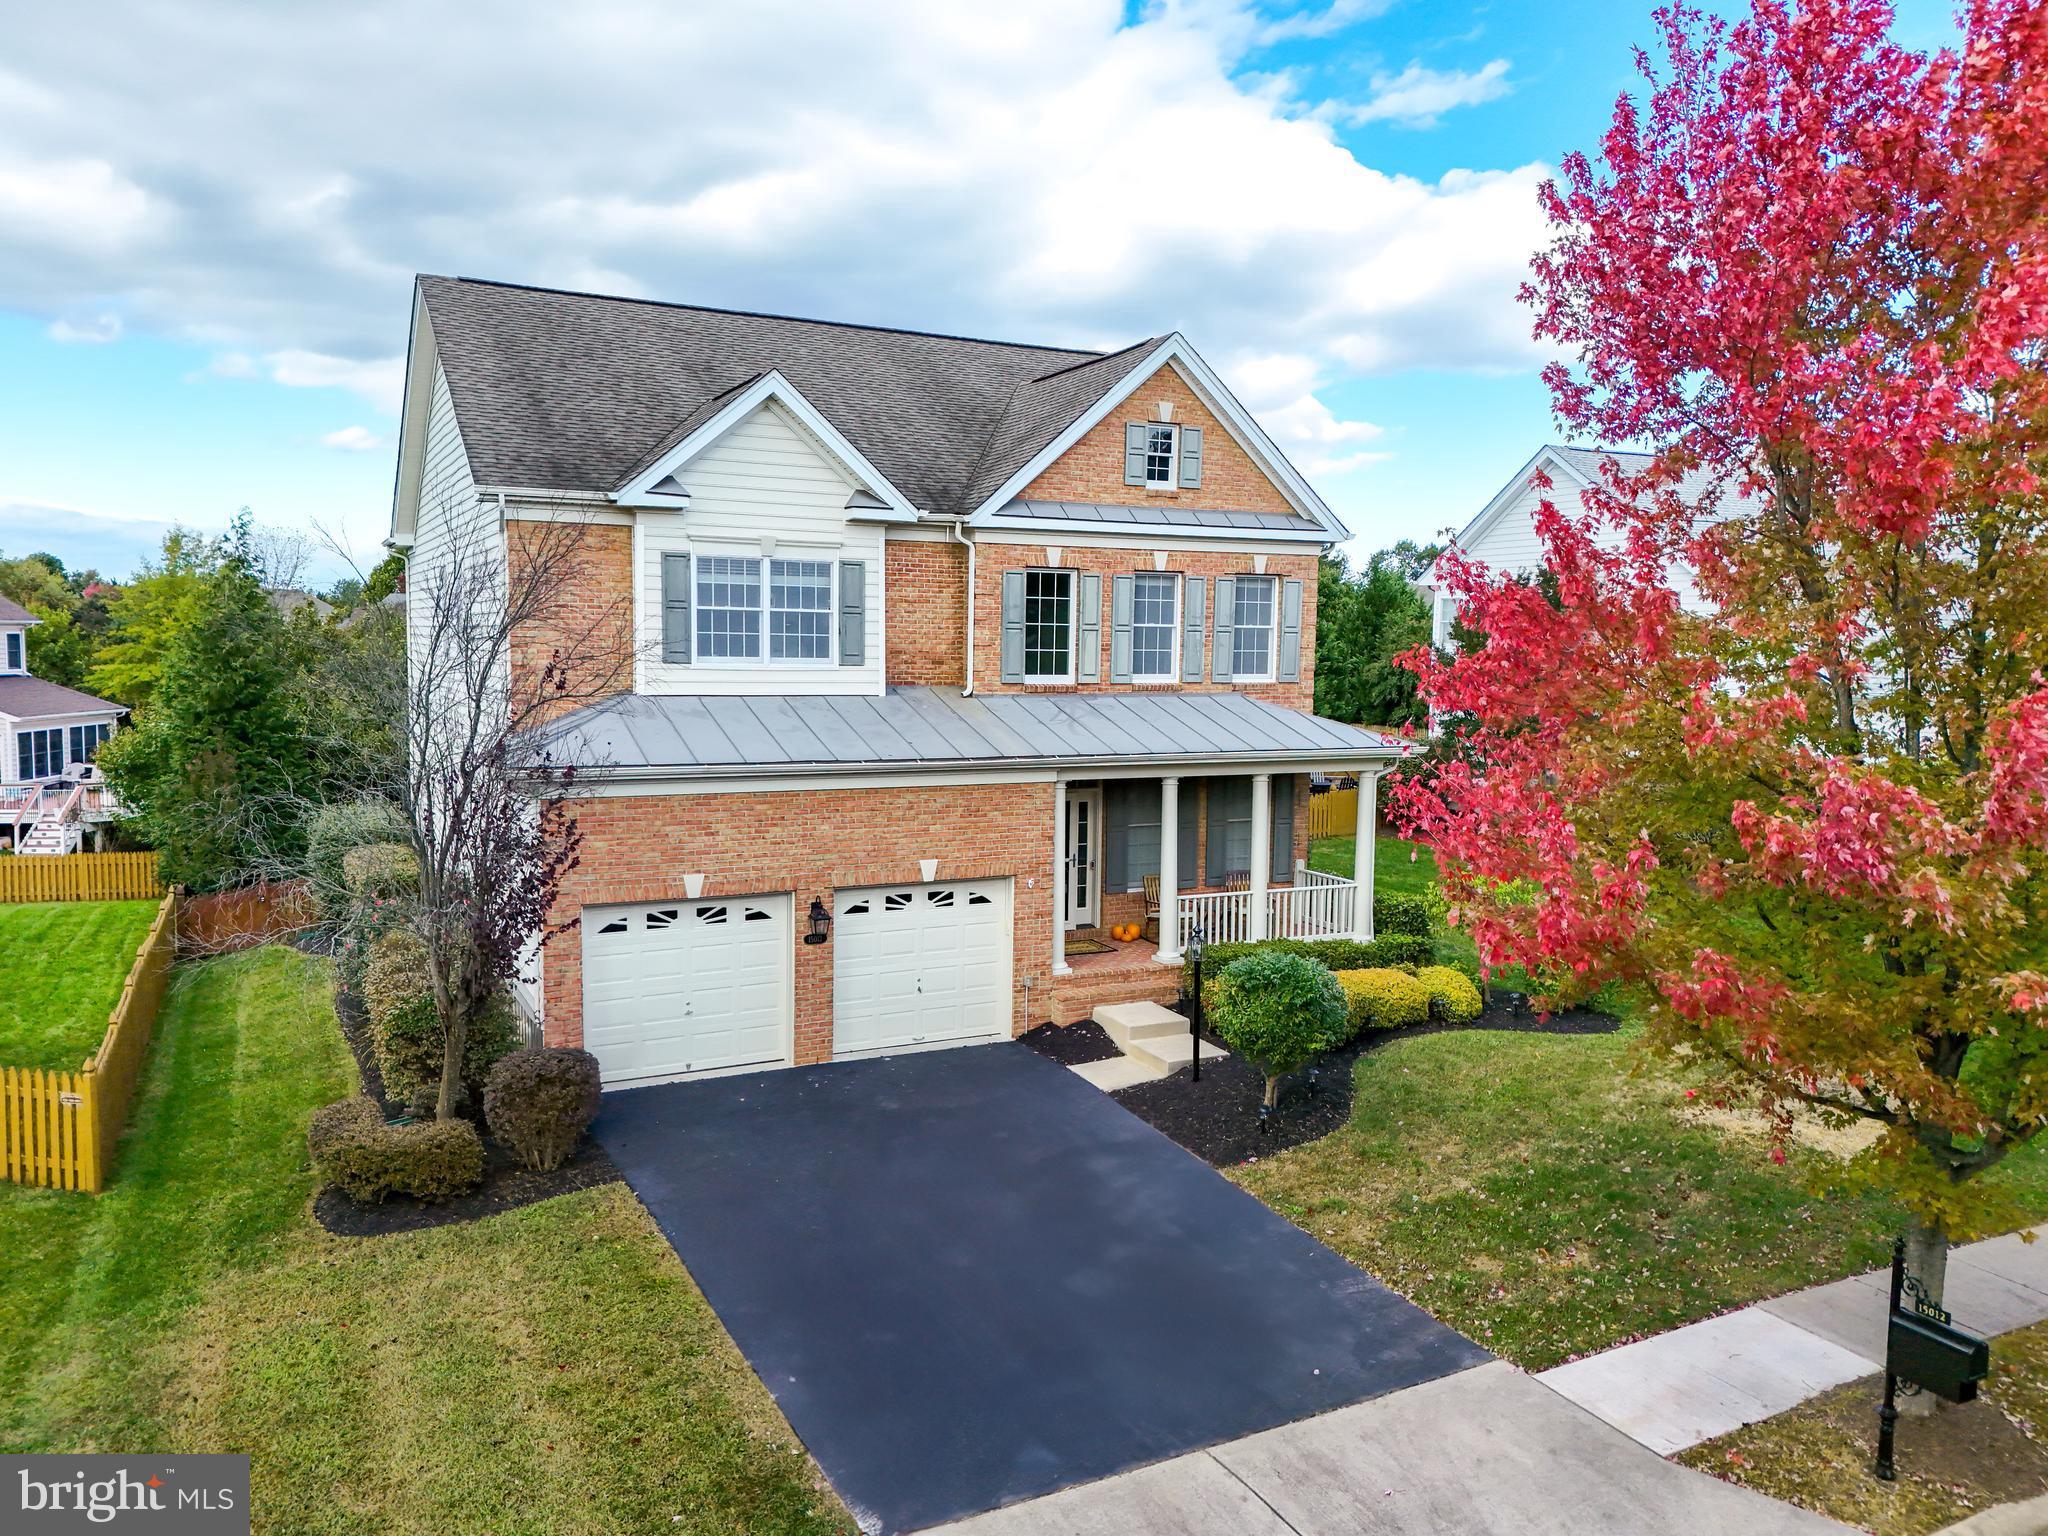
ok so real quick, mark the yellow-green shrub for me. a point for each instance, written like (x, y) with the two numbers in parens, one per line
(405, 1029)
(1383, 998)
(1452, 996)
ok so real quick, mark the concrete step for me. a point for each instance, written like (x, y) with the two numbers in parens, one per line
(1125, 1022)
(1117, 1072)
(1169, 1053)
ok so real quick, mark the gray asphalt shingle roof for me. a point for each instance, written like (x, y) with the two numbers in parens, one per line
(12, 612)
(25, 697)
(936, 727)
(574, 391)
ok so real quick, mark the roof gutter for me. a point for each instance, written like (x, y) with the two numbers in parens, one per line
(960, 533)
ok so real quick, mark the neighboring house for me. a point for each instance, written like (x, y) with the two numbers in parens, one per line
(50, 800)
(1503, 535)
(940, 649)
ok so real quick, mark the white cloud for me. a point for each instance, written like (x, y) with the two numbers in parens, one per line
(352, 440)
(98, 330)
(1419, 95)
(1047, 172)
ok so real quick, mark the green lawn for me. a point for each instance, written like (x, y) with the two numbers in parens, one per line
(1401, 868)
(61, 968)
(1552, 1195)
(552, 1370)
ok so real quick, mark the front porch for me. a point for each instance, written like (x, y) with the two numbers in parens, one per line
(1231, 849)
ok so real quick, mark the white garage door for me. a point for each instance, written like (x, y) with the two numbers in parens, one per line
(692, 986)
(920, 965)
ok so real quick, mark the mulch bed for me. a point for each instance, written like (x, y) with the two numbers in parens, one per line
(1072, 1045)
(1217, 1118)
(507, 1184)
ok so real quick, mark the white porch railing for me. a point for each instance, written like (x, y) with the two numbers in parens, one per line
(1316, 906)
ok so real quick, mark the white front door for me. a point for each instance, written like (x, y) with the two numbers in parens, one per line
(1084, 858)
(915, 966)
(675, 988)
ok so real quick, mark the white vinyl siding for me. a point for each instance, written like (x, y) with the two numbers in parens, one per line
(452, 515)
(766, 479)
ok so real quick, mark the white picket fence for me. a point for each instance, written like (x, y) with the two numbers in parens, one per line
(1316, 906)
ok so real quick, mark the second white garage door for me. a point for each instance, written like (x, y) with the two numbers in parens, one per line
(920, 965)
(677, 988)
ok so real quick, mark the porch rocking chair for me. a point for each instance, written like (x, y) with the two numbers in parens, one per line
(1151, 885)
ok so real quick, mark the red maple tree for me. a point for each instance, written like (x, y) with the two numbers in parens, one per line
(1770, 745)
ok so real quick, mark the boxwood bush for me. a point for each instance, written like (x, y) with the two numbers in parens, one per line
(539, 1103)
(381, 872)
(1397, 915)
(1383, 998)
(1279, 1011)
(352, 1147)
(1337, 954)
(335, 831)
(1452, 996)
(405, 1031)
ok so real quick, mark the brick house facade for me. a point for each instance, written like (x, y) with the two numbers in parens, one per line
(811, 830)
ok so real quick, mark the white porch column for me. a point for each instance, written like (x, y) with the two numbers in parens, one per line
(1169, 872)
(1059, 879)
(1262, 850)
(1362, 855)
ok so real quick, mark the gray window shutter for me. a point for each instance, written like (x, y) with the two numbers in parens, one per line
(675, 608)
(1088, 627)
(1230, 802)
(1134, 452)
(1283, 826)
(1190, 456)
(1287, 665)
(1130, 828)
(1194, 628)
(1120, 590)
(853, 613)
(1226, 613)
(1013, 626)
(1190, 815)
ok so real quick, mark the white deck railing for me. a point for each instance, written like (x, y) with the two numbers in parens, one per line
(1316, 906)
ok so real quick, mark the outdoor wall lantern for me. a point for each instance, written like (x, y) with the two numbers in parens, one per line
(821, 923)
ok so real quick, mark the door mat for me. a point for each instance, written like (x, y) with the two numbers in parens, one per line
(1081, 944)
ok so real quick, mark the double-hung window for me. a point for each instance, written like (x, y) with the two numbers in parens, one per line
(86, 739)
(41, 753)
(14, 651)
(1049, 626)
(1162, 451)
(740, 598)
(1251, 619)
(1155, 625)
(800, 610)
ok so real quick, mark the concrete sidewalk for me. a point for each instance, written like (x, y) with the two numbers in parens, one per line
(1486, 1452)
(1679, 1388)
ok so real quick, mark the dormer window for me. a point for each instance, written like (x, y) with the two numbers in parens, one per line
(1162, 455)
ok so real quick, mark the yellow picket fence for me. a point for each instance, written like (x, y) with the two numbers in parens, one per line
(58, 1129)
(79, 877)
(1333, 814)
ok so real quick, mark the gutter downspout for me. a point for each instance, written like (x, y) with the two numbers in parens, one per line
(960, 536)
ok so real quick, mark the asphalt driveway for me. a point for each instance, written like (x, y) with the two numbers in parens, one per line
(969, 1278)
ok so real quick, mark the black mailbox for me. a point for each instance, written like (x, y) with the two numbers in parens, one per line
(1943, 1360)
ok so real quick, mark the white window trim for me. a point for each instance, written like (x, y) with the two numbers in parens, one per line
(829, 554)
(1172, 480)
(1066, 678)
(1172, 672)
(1272, 628)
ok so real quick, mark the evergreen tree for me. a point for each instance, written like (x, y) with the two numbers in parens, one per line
(211, 766)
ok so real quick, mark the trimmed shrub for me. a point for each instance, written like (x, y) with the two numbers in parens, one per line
(1337, 954)
(405, 1030)
(1278, 1010)
(381, 872)
(1395, 915)
(1383, 998)
(337, 1122)
(539, 1103)
(332, 832)
(427, 1159)
(1452, 996)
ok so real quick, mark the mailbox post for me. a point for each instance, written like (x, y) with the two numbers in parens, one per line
(1923, 1346)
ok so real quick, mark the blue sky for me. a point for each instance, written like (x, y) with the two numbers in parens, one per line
(207, 237)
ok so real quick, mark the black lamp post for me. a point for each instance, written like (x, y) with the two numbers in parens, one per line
(1196, 937)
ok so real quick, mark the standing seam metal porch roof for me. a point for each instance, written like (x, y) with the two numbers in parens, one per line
(916, 727)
